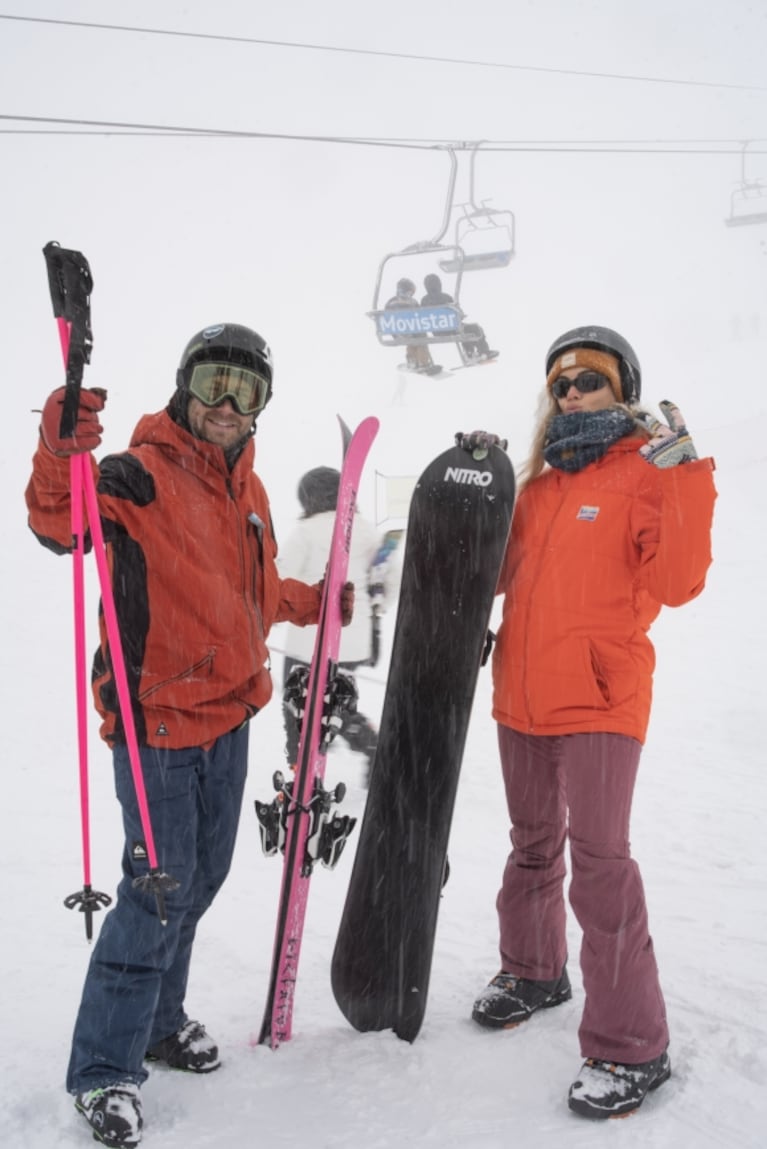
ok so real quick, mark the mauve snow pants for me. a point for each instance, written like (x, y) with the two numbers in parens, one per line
(590, 777)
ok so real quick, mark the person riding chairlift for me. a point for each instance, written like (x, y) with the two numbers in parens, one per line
(418, 356)
(475, 348)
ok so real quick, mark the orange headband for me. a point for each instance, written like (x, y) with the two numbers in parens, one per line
(587, 357)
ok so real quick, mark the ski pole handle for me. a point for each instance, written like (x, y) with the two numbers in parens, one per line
(70, 283)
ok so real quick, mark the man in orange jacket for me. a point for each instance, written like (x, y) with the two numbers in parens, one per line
(192, 556)
(613, 521)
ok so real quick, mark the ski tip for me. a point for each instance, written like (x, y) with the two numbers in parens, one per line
(346, 435)
(366, 430)
(371, 424)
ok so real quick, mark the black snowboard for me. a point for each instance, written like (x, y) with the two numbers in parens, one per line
(456, 535)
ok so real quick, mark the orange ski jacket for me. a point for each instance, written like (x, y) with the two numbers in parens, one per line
(191, 553)
(592, 557)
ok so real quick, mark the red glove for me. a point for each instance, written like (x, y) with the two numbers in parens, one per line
(347, 600)
(347, 603)
(88, 432)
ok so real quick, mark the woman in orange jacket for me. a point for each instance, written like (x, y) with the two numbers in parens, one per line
(613, 521)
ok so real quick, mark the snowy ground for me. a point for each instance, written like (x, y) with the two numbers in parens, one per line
(287, 236)
(698, 834)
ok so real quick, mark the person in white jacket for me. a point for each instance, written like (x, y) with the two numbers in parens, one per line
(374, 574)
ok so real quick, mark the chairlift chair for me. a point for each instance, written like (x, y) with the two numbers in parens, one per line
(425, 326)
(420, 326)
(748, 203)
(495, 246)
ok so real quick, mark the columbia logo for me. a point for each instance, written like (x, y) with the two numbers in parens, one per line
(469, 476)
(588, 514)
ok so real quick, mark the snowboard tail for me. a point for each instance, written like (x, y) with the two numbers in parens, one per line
(457, 529)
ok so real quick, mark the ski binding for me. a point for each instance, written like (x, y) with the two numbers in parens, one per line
(328, 831)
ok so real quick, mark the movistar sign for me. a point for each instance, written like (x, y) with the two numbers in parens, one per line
(418, 321)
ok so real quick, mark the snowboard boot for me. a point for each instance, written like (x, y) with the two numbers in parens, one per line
(113, 1113)
(191, 1049)
(360, 736)
(610, 1089)
(367, 771)
(507, 1001)
(418, 358)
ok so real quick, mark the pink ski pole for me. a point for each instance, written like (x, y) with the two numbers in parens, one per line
(88, 900)
(70, 282)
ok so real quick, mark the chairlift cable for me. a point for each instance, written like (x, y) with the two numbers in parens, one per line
(415, 57)
(113, 128)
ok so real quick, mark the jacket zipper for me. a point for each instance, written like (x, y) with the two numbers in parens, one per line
(249, 592)
(258, 526)
(528, 610)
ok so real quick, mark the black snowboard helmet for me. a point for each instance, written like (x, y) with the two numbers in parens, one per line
(226, 343)
(318, 491)
(602, 339)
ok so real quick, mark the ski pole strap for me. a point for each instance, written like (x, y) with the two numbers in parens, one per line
(70, 283)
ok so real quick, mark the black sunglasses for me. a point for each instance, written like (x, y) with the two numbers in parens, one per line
(585, 382)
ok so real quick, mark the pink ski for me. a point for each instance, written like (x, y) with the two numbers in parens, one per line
(301, 821)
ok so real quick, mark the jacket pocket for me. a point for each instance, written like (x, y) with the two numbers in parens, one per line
(196, 675)
(599, 676)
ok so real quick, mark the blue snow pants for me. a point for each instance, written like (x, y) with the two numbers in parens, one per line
(136, 981)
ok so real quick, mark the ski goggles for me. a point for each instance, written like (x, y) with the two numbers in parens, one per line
(212, 383)
(585, 382)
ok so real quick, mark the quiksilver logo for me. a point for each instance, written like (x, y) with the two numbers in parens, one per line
(469, 476)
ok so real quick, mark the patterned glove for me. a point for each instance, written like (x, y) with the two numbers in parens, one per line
(668, 446)
(479, 441)
(87, 434)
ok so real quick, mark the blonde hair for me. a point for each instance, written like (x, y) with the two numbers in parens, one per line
(548, 407)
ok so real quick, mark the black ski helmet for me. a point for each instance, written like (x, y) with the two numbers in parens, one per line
(602, 339)
(318, 490)
(405, 287)
(226, 343)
